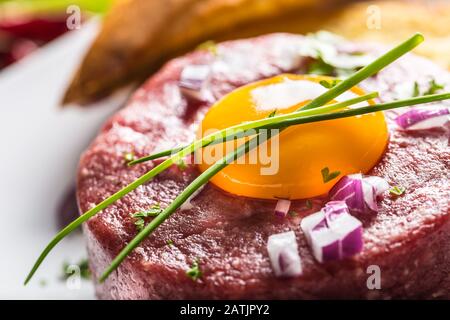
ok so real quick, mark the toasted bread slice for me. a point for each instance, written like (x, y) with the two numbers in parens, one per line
(138, 35)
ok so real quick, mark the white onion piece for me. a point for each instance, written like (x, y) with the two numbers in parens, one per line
(282, 208)
(325, 45)
(192, 80)
(422, 119)
(193, 76)
(359, 193)
(283, 254)
(333, 233)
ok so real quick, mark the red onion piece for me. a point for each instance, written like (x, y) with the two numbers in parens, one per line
(422, 119)
(192, 82)
(283, 254)
(282, 208)
(333, 233)
(359, 193)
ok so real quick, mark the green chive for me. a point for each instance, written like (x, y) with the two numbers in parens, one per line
(194, 271)
(320, 67)
(209, 45)
(327, 176)
(204, 178)
(240, 129)
(397, 190)
(416, 91)
(329, 83)
(181, 198)
(272, 114)
(340, 88)
(433, 87)
(140, 216)
(367, 71)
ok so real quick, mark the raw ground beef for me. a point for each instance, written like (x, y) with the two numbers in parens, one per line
(409, 239)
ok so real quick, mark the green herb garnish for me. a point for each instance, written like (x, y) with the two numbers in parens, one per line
(241, 129)
(320, 67)
(329, 83)
(433, 87)
(140, 216)
(293, 214)
(272, 114)
(170, 242)
(314, 111)
(194, 271)
(209, 45)
(416, 91)
(182, 165)
(397, 190)
(327, 176)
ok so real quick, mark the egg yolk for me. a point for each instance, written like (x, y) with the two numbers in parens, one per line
(291, 165)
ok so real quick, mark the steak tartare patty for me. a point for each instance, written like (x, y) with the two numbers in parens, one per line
(409, 238)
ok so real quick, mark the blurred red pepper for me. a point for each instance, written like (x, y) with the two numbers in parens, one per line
(22, 35)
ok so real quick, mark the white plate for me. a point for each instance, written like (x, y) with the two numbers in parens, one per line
(40, 146)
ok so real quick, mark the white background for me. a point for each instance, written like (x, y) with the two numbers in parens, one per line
(40, 146)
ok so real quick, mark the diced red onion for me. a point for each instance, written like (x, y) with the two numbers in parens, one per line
(193, 76)
(359, 193)
(283, 254)
(192, 81)
(282, 208)
(422, 119)
(333, 233)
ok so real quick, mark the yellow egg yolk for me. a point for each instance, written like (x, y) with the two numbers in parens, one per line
(291, 165)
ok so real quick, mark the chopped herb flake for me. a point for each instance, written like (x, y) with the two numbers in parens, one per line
(169, 242)
(397, 190)
(140, 216)
(272, 114)
(292, 213)
(433, 87)
(329, 83)
(328, 176)
(194, 272)
(209, 45)
(416, 91)
(320, 67)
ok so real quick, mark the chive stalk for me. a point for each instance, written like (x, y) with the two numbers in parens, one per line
(239, 130)
(181, 198)
(340, 88)
(221, 164)
(214, 169)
